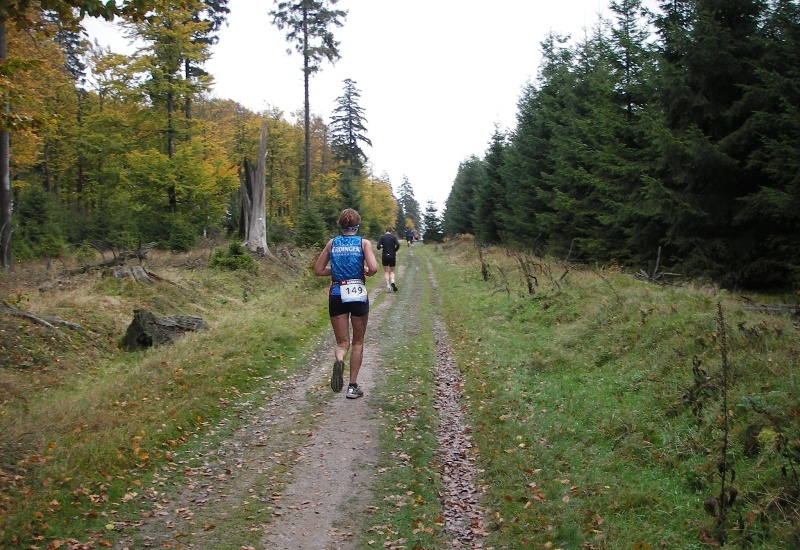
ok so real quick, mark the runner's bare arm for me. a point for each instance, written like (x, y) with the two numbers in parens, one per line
(369, 258)
(321, 268)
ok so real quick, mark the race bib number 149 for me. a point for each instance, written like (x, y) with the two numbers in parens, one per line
(354, 292)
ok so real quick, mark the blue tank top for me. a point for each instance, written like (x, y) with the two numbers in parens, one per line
(347, 260)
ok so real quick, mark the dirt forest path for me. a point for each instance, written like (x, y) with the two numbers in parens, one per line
(299, 468)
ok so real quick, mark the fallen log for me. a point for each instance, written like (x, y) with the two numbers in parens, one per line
(774, 308)
(57, 284)
(46, 323)
(118, 259)
(26, 315)
(161, 279)
(146, 330)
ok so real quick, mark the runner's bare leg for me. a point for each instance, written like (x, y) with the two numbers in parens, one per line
(341, 331)
(359, 329)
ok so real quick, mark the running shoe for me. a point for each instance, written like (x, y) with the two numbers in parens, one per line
(394, 287)
(354, 392)
(337, 382)
(388, 288)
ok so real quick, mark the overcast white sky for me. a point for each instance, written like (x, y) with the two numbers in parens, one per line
(435, 75)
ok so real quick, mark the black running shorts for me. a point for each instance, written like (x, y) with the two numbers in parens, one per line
(388, 260)
(336, 307)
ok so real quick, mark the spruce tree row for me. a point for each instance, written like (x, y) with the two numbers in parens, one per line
(674, 131)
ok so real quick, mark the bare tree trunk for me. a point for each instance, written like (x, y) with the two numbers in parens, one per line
(307, 147)
(171, 192)
(245, 191)
(5, 176)
(187, 107)
(307, 114)
(257, 228)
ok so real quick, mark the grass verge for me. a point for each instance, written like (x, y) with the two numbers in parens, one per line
(602, 412)
(86, 428)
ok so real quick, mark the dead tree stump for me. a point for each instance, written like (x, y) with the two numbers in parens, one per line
(146, 330)
(136, 272)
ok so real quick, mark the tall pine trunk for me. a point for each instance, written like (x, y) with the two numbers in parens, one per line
(307, 120)
(5, 176)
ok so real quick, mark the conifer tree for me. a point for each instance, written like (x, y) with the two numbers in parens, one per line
(310, 231)
(635, 229)
(432, 224)
(530, 162)
(348, 191)
(348, 130)
(584, 138)
(771, 211)
(409, 204)
(460, 203)
(400, 217)
(490, 194)
(712, 49)
(308, 25)
(212, 15)
(605, 140)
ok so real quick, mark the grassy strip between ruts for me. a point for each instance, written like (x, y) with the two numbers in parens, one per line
(407, 513)
(602, 412)
(89, 439)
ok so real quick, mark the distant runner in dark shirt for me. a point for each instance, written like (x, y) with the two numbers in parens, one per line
(409, 236)
(390, 245)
